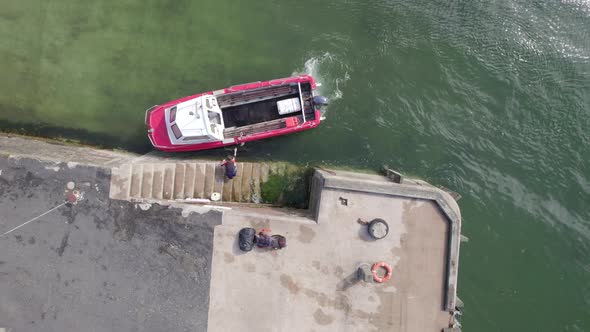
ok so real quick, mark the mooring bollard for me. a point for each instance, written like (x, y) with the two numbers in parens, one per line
(364, 273)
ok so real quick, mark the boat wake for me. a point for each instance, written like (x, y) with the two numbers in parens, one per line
(330, 72)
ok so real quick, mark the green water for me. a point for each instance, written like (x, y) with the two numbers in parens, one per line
(489, 98)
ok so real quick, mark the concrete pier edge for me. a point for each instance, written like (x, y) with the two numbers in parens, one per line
(324, 180)
(17, 146)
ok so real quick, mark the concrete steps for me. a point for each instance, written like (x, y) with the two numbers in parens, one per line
(188, 180)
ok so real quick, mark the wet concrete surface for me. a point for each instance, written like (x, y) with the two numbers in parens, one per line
(99, 265)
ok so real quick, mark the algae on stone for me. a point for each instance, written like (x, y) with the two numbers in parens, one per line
(287, 186)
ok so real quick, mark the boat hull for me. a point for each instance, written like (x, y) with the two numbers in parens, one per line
(158, 135)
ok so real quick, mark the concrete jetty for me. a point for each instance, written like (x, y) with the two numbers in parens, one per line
(148, 232)
(312, 284)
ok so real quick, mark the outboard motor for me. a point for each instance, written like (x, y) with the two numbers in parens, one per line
(320, 101)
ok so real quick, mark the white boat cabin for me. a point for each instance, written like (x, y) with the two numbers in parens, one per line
(198, 120)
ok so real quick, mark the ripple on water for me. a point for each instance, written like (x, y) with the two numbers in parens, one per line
(329, 71)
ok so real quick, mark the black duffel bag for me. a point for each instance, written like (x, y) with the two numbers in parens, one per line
(246, 239)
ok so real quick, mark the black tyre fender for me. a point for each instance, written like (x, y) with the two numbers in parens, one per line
(246, 239)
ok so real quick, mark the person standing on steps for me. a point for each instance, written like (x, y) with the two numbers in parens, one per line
(230, 165)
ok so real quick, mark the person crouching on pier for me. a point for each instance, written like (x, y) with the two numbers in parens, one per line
(230, 165)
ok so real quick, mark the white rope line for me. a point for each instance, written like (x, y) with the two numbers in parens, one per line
(37, 217)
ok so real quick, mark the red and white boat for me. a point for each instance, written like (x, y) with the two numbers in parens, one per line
(235, 115)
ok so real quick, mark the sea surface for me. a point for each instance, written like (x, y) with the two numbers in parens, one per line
(488, 98)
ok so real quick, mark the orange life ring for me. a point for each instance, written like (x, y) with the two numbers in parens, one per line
(387, 268)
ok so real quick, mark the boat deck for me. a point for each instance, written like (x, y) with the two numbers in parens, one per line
(245, 109)
(249, 114)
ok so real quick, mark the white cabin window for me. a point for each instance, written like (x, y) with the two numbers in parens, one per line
(173, 114)
(176, 131)
(214, 117)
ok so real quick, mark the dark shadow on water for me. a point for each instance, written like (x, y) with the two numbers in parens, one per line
(81, 136)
